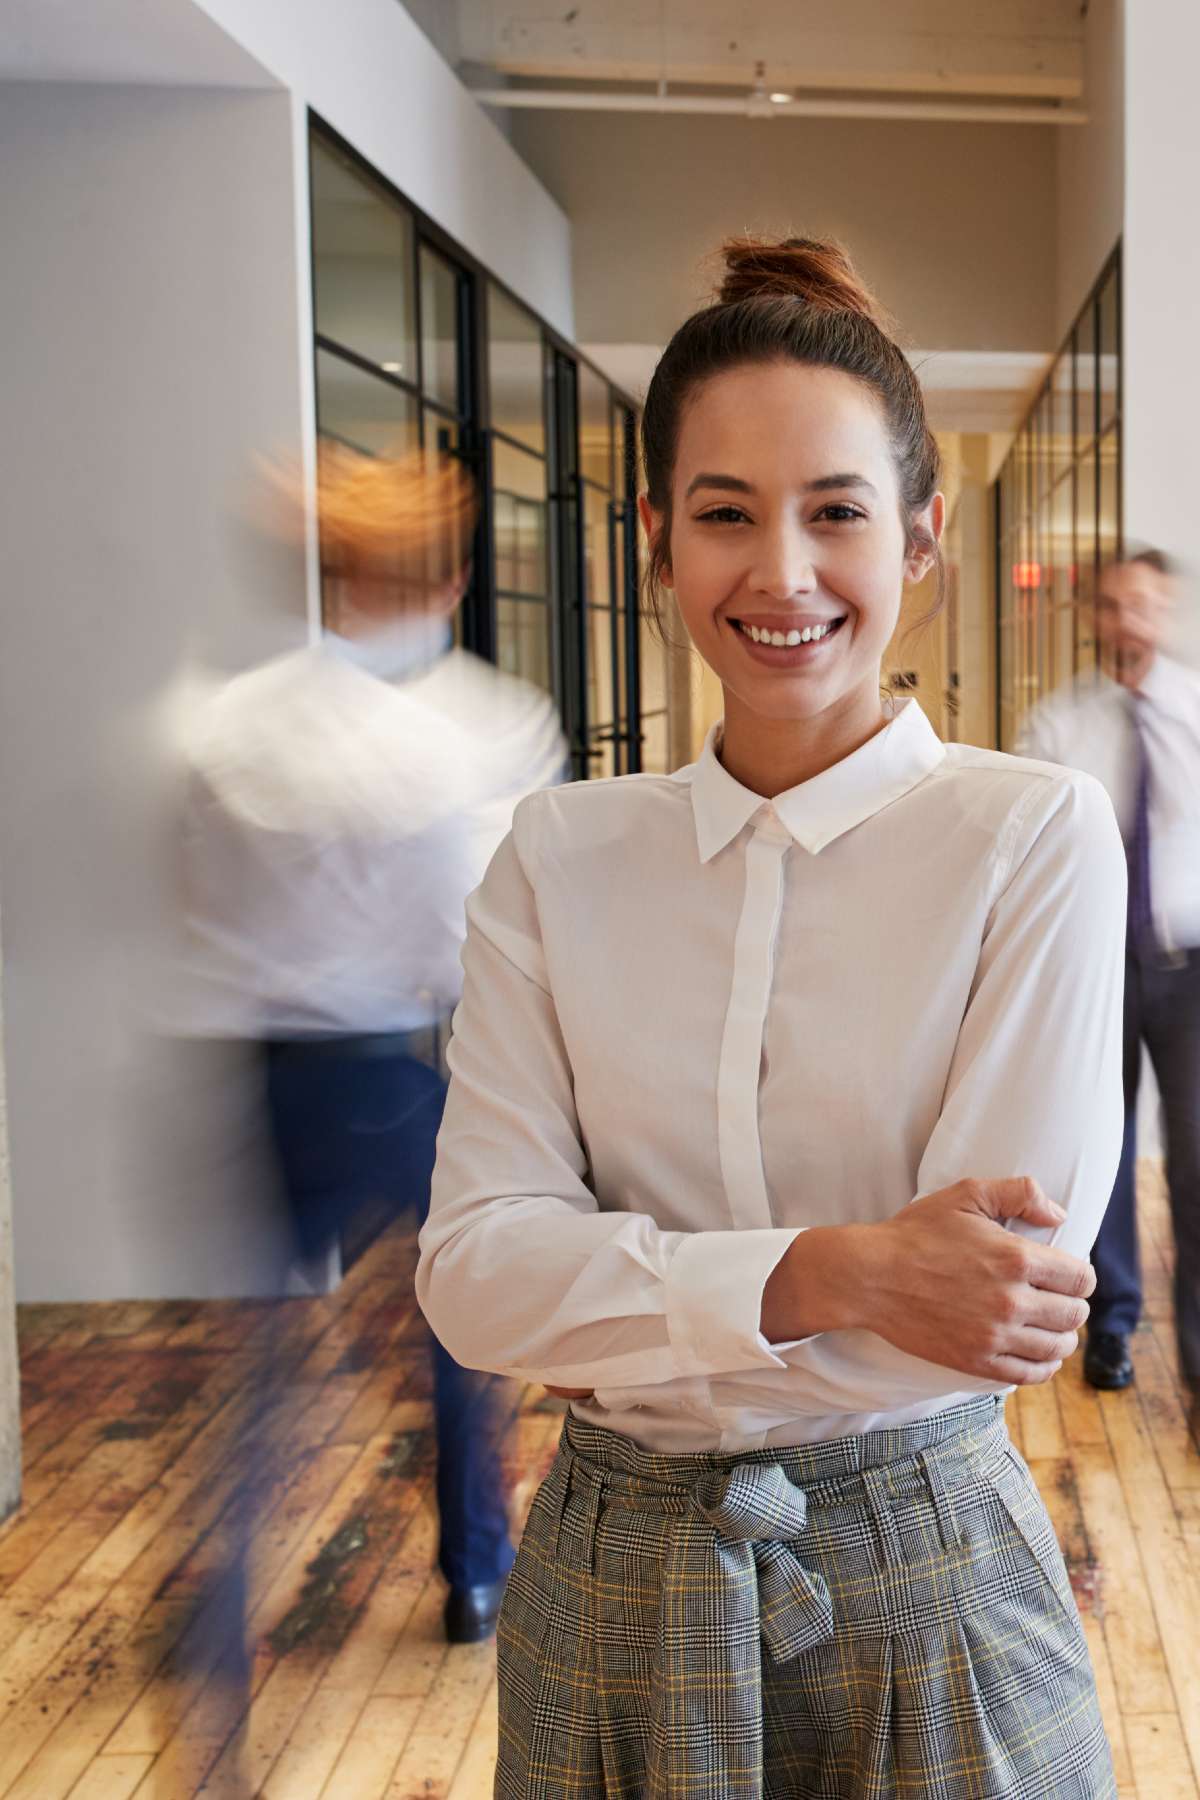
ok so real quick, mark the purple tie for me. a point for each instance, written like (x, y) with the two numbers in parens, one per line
(1137, 845)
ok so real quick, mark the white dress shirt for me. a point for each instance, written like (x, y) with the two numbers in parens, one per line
(344, 801)
(1090, 726)
(695, 1022)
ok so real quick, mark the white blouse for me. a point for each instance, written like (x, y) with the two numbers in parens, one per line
(695, 1022)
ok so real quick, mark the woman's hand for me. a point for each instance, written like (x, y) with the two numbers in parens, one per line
(571, 1393)
(943, 1280)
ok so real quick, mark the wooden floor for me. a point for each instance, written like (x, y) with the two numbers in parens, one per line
(108, 1688)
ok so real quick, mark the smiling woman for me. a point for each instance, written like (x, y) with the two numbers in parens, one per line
(792, 485)
(750, 1148)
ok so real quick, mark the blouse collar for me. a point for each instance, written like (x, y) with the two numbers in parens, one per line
(830, 804)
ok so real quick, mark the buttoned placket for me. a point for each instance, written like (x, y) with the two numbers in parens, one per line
(740, 1072)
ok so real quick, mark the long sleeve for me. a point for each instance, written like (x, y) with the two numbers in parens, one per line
(1035, 1083)
(521, 1272)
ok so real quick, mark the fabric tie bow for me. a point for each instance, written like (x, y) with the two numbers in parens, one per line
(756, 1508)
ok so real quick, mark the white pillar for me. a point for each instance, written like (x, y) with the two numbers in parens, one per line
(10, 1424)
(1161, 276)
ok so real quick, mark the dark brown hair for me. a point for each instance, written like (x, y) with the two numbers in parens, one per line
(1158, 560)
(795, 301)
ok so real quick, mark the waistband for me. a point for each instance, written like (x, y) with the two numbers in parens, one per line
(830, 1473)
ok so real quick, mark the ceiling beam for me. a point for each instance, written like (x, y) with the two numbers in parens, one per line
(1010, 49)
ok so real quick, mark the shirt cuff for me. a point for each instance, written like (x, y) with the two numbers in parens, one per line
(714, 1291)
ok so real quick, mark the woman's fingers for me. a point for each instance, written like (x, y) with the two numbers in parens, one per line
(1020, 1373)
(1059, 1272)
(1031, 1345)
(1054, 1312)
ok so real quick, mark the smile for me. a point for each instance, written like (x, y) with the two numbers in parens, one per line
(778, 639)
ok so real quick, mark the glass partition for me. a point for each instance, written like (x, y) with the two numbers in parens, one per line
(417, 345)
(1058, 513)
(362, 255)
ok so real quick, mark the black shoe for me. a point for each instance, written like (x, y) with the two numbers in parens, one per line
(471, 1612)
(1106, 1360)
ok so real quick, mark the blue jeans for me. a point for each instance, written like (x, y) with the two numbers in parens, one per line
(355, 1121)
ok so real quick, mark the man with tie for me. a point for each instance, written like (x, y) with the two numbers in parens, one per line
(1137, 728)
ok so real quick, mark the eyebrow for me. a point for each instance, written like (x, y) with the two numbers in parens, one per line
(733, 484)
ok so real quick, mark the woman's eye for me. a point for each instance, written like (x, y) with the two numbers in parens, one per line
(723, 515)
(839, 510)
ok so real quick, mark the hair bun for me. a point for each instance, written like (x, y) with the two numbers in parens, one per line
(809, 269)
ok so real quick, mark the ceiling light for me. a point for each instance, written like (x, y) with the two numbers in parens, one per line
(782, 99)
(392, 368)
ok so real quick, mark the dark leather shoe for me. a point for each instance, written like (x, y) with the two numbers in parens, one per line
(471, 1612)
(1106, 1360)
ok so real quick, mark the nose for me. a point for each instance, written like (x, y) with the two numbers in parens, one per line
(783, 566)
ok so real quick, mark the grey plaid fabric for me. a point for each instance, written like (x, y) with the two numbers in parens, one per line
(874, 1617)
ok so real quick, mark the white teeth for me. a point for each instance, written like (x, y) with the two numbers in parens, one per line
(811, 634)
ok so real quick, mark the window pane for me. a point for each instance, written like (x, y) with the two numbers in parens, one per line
(1109, 351)
(439, 329)
(1085, 379)
(1045, 468)
(1064, 644)
(516, 376)
(652, 668)
(1086, 546)
(362, 263)
(595, 428)
(1108, 531)
(519, 517)
(362, 411)
(1061, 415)
(523, 640)
(624, 450)
(441, 433)
(605, 648)
(655, 745)
(1061, 551)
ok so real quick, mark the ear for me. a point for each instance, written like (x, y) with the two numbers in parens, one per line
(447, 597)
(652, 525)
(930, 522)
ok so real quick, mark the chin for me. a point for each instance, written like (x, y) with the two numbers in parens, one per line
(782, 700)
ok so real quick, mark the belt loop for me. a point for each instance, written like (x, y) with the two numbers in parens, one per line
(943, 1504)
(878, 1491)
(590, 1483)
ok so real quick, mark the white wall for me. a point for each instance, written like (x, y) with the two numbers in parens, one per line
(153, 343)
(1091, 165)
(10, 1411)
(952, 224)
(1162, 275)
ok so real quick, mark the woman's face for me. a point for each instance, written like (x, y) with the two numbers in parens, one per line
(788, 553)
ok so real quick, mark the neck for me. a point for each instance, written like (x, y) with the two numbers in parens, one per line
(1132, 668)
(769, 756)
